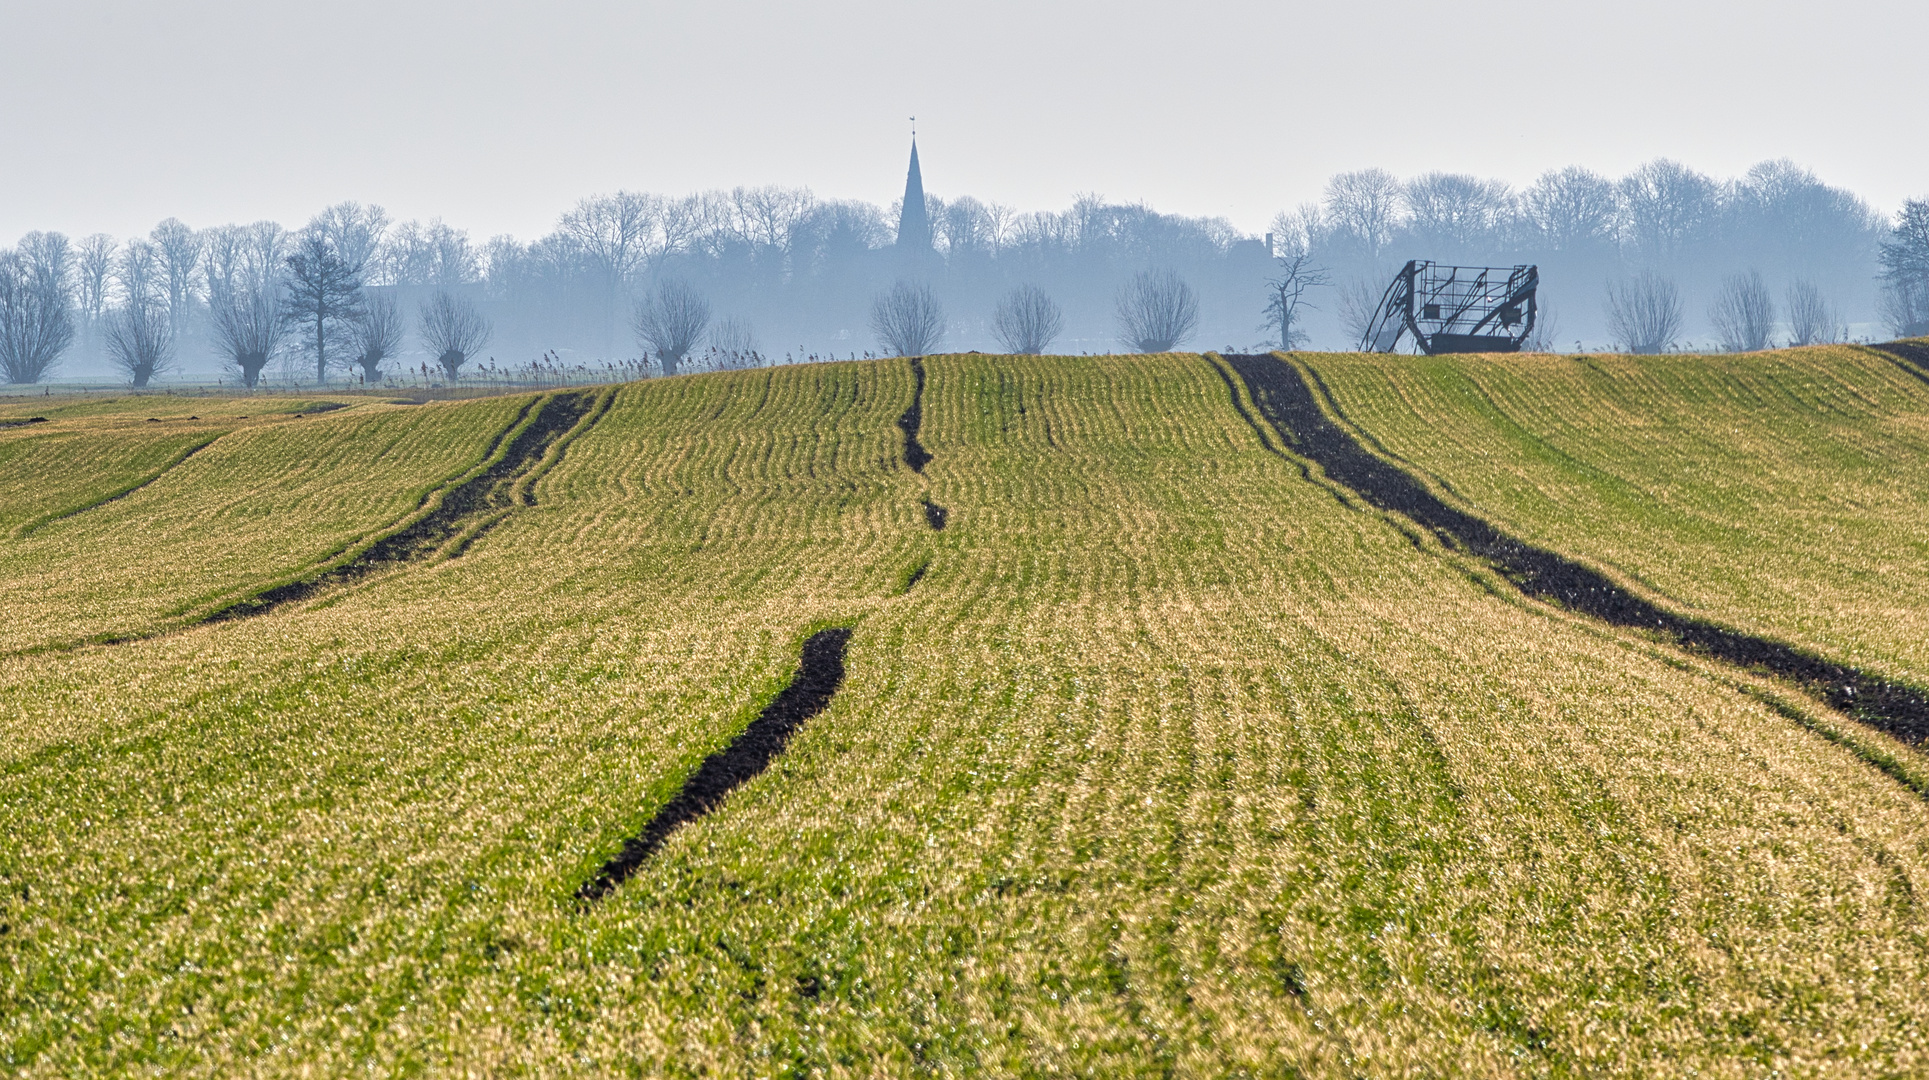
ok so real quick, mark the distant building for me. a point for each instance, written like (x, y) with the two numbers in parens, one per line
(914, 221)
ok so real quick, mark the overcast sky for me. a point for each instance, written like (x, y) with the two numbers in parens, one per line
(497, 116)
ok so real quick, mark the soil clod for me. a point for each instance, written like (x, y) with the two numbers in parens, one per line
(935, 515)
(1288, 403)
(819, 673)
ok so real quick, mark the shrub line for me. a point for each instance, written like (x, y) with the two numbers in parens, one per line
(1285, 396)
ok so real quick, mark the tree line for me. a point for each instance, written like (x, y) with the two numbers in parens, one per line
(732, 277)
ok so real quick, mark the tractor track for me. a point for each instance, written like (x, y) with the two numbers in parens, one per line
(820, 671)
(34, 526)
(1288, 402)
(472, 506)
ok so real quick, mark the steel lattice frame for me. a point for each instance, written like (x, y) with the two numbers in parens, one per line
(1455, 309)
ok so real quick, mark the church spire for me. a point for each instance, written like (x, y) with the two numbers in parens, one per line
(914, 225)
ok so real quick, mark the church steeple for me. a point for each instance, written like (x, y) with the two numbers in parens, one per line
(914, 225)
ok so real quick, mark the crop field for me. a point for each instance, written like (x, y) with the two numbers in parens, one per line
(1151, 749)
(1781, 493)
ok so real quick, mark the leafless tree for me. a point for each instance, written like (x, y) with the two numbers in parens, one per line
(139, 277)
(353, 231)
(249, 325)
(908, 320)
(140, 340)
(1364, 206)
(1027, 321)
(1668, 206)
(1546, 336)
(1286, 295)
(1156, 311)
(1452, 212)
(1904, 307)
(432, 254)
(376, 336)
(670, 321)
(179, 250)
(1743, 313)
(93, 267)
(734, 344)
(1811, 318)
(1359, 304)
(1904, 300)
(453, 330)
(1644, 313)
(1571, 208)
(36, 321)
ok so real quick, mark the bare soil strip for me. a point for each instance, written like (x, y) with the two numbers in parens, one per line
(490, 491)
(1290, 407)
(31, 527)
(915, 455)
(819, 674)
(23, 423)
(1914, 356)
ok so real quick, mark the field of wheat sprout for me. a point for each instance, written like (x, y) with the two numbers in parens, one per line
(1154, 750)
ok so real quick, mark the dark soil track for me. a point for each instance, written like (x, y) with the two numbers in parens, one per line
(474, 498)
(935, 515)
(1913, 355)
(915, 455)
(819, 674)
(1290, 407)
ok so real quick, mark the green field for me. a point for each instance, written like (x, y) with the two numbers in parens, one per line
(1166, 756)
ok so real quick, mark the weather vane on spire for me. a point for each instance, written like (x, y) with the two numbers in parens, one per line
(914, 127)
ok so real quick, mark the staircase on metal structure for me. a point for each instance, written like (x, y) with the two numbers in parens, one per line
(1455, 309)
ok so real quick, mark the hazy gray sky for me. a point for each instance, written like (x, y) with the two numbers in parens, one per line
(497, 116)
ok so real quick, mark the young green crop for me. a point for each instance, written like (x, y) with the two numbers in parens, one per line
(1780, 493)
(1172, 763)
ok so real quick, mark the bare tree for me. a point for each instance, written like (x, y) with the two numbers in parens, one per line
(1547, 331)
(670, 321)
(94, 266)
(376, 336)
(1156, 311)
(908, 320)
(179, 249)
(1743, 313)
(1027, 321)
(1668, 206)
(1571, 208)
(249, 325)
(1359, 304)
(1905, 308)
(140, 340)
(1364, 206)
(1644, 313)
(432, 254)
(1286, 295)
(354, 232)
(1811, 318)
(453, 330)
(1905, 271)
(1455, 213)
(36, 322)
(734, 342)
(322, 296)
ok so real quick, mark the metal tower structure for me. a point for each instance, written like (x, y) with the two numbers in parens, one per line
(1455, 309)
